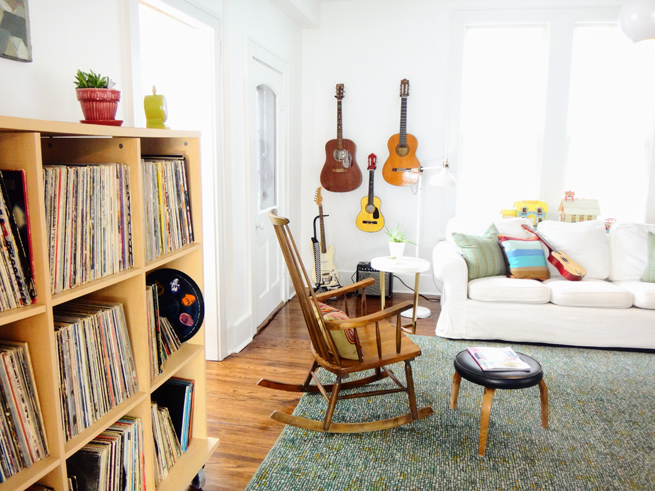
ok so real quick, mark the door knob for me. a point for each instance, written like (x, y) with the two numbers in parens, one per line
(260, 225)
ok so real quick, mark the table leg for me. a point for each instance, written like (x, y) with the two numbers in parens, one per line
(484, 419)
(416, 281)
(382, 290)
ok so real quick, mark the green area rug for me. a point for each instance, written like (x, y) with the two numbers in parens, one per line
(601, 434)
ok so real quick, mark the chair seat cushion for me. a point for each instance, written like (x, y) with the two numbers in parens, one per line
(344, 340)
(503, 289)
(588, 293)
(643, 293)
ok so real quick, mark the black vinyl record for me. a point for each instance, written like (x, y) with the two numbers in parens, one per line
(180, 301)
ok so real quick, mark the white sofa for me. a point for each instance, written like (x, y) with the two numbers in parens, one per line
(610, 307)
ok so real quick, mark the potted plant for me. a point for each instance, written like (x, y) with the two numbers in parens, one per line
(397, 240)
(98, 99)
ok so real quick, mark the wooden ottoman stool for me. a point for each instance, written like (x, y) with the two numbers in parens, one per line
(466, 366)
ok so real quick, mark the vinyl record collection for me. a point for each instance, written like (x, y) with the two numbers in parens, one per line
(176, 394)
(16, 278)
(22, 434)
(112, 461)
(162, 339)
(96, 364)
(89, 222)
(167, 445)
(167, 206)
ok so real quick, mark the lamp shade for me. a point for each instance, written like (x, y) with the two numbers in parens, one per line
(442, 178)
(637, 19)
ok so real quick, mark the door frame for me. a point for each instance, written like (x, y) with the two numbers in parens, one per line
(257, 53)
(216, 332)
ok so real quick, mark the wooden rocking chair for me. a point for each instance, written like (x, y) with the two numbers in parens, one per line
(375, 344)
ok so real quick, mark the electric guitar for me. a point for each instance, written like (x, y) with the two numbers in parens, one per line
(402, 168)
(568, 268)
(370, 219)
(327, 276)
(340, 172)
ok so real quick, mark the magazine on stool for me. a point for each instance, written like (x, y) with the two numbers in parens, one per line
(498, 359)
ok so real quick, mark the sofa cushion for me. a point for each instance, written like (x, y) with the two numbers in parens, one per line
(525, 258)
(482, 253)
(628, 250)
(477, 226)
(649, 273)
(588, 293)
(585, 243)
(643, 293)
(503, 289)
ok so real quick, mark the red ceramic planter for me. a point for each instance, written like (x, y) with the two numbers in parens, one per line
(99, 104)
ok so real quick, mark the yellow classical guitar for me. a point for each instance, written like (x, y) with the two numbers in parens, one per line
(370, 219)
(324, 274)
(402, 168)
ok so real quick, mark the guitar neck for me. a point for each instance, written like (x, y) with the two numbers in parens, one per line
(548, 244)
(370, 186)
(320, 219)
(339, 127)
(403, 121)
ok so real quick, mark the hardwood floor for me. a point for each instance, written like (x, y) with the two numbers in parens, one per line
(238, 409)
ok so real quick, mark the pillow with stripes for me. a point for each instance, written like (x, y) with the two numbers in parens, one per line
(525, 258)
(482, 253)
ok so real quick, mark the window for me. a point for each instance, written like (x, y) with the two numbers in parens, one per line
(267, 138)
(502, 116)
(551, 100)
(610, 120)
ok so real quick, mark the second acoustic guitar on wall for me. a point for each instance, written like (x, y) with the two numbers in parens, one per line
(340, 172)
(402, 168)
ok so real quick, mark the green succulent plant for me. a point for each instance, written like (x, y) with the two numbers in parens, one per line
(91, 80)
(397, 235)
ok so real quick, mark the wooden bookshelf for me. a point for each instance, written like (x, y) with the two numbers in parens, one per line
(29, 144)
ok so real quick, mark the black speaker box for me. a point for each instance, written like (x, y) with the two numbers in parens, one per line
(364, 271)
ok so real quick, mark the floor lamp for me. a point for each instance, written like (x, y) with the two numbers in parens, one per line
(442, 178)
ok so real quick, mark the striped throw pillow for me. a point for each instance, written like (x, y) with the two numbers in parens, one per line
(649, 274)
(525, 258)
(482, 253)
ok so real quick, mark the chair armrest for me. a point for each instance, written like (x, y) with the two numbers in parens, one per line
(340, 325)
(322, 297)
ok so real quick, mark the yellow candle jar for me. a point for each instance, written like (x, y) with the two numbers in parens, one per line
(156, 111)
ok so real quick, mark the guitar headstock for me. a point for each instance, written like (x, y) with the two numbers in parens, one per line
(340, 92)
(372, 160)
(317, 197)
(404, 88)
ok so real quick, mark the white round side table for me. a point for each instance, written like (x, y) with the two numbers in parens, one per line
(404, 265)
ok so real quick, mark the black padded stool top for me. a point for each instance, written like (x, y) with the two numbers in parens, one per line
(467, 367)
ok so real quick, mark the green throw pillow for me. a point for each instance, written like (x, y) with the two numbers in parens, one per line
(649, 274)
(482, 253)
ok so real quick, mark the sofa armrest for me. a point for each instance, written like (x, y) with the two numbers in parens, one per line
(450, 269)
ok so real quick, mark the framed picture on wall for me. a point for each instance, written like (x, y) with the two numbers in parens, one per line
(15, 30)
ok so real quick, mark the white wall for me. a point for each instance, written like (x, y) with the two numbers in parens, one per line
(66, 36)
(369, 46)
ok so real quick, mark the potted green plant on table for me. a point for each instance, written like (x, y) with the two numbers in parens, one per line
(397, 240)
(98, 99)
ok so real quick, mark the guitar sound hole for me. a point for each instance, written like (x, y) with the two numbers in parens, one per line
(370, 208)
(402, 150)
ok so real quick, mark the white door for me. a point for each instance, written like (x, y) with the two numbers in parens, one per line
(267, 164)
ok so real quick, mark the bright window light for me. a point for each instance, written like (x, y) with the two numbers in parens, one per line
(610, 120)
(502, 117)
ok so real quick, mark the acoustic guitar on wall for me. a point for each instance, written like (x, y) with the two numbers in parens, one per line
(340, 172)
(370, 218)
(402, 168)
(324, 274)
(568, 268)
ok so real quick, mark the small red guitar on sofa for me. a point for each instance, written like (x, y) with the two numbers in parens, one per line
(568, 268)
